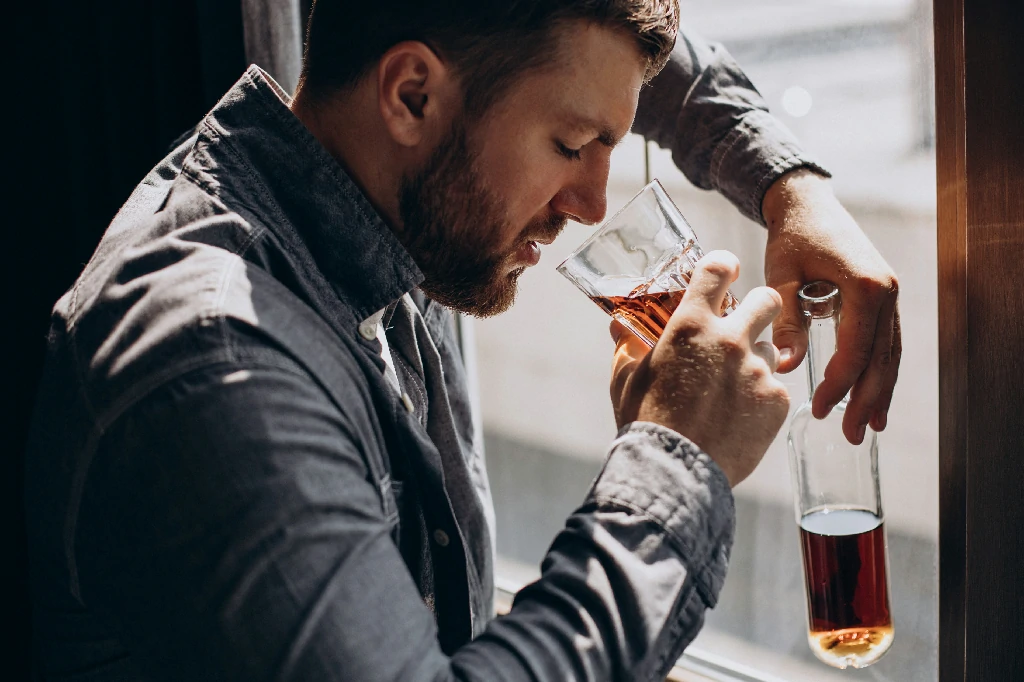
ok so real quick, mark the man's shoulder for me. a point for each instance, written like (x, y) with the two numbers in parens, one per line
(170, 290)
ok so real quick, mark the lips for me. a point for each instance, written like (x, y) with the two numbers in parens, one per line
(529, 253)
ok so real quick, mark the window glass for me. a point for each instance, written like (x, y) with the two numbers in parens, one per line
(852, 79)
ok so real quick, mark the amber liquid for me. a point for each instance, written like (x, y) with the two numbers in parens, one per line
(850, 622)
(646, 313)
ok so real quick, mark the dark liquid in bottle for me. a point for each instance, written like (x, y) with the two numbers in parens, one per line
(647, 313)
(847, 586)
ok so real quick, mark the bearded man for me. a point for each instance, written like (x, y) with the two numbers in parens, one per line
(253, 455)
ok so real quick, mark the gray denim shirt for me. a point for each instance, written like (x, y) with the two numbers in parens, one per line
(222, 484)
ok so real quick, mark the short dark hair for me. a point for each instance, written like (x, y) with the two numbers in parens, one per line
(489, 42)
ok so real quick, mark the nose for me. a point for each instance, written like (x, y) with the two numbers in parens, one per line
(584, 199)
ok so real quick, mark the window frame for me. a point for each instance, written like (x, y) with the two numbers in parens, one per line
(979, 154)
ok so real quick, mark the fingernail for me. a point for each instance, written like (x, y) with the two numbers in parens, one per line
(860, 434)
(785, 354)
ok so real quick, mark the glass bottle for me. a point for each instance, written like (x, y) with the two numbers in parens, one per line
(839, 512)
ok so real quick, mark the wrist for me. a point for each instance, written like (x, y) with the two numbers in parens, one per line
(787, 192)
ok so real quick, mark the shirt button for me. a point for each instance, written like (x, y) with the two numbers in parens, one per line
(407, 401)
(368, 332)
(440, 537)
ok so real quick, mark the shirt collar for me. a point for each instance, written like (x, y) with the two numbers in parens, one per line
(292, 181)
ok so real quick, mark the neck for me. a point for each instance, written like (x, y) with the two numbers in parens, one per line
(821, 337)
(345, 125)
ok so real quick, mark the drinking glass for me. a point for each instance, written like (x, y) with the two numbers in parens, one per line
(637, 265)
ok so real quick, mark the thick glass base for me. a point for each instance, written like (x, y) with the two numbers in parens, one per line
(852, 647)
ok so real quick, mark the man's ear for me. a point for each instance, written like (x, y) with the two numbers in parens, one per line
(413, 88)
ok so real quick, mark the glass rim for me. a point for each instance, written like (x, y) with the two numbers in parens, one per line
(819, 299)
(809, 291)
(602, 229)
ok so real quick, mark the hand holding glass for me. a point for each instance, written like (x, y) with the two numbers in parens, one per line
(637, 265)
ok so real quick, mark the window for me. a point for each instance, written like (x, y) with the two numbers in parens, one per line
(852, 79)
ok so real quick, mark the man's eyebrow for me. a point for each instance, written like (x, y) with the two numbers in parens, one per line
(608, 138)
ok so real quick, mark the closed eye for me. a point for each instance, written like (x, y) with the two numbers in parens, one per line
(568, 152)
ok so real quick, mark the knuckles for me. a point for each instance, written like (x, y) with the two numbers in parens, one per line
(778, 402)
(685, 325)
(759, 371)
(719, 264)
(781, 397)
(878, 285)
(717, 270)
(733, 347)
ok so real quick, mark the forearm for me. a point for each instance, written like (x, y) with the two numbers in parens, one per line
(626, 584)
(705, 110)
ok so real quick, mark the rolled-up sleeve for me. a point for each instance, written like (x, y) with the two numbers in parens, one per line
(228, 532)
(704, 109)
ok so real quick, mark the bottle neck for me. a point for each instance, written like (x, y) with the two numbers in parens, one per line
(821, 339)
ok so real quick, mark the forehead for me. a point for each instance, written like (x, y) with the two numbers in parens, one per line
(591, 84)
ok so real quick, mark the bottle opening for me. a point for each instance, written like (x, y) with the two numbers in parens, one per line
(819, 299)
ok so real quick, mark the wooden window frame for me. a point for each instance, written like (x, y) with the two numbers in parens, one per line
(979, 69)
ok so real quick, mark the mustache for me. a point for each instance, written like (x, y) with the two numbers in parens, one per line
(548, 229)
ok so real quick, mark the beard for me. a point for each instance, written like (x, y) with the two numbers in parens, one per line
(450, 221)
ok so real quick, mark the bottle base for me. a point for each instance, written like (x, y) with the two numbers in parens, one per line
(851, 647)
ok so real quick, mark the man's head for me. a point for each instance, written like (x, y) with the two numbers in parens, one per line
(479, 128)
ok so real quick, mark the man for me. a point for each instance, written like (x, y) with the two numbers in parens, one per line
(237, 473)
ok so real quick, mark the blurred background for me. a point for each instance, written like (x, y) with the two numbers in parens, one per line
(853, 80)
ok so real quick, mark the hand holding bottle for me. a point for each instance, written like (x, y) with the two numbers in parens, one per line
(707, 378)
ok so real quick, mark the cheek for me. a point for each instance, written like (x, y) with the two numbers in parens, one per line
(519, 165)
(527, 181)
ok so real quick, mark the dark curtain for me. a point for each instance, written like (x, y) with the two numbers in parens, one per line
(97, 91)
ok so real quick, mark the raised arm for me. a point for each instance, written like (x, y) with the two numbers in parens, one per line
(703, 108)
(707, 112)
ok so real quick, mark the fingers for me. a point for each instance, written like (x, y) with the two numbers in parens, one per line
(864, 398)
(856, 338)
(881, 413)
(617, 329)
(769, 353)
(711, 279)
(756, 311)
(629, 354)
(789, 332)
(628, 347)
